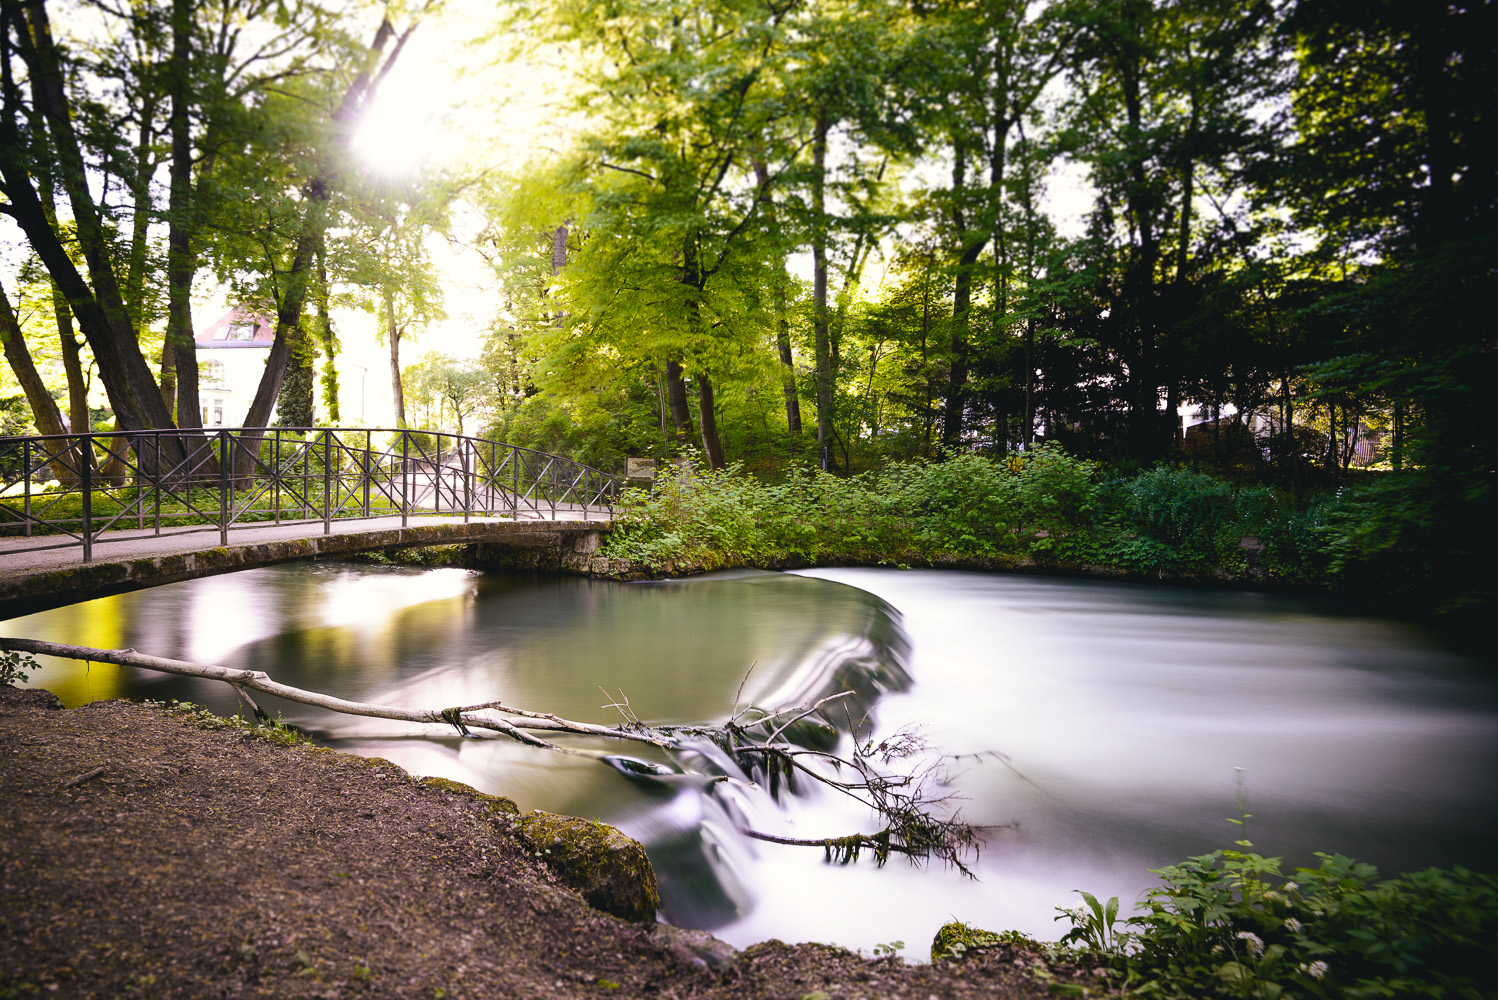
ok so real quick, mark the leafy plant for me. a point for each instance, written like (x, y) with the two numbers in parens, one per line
(1092, 925)
(16, 666)
(1228, 924)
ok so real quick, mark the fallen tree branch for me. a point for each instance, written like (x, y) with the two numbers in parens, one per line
(912, 803)
(460, 718)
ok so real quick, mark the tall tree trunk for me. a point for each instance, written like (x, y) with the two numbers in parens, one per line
(1396, 448)
(691, 276)
(140, 223)
(1331, 435)
(676, 398)
(821, 332)
(181, 263)
(1027, 432)
(67, 342)
(100, 309)
(393, 335)
(712, 446)
(928, 409)
(962, 301)
(288, 319)
(329, 342)
(782, 311)
(1139, 279)
(294, 403)
(72, 365)
(787, 362)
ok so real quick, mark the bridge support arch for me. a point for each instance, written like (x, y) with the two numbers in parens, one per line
(545, 546)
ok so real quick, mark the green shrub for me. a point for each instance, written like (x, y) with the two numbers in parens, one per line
(1171, 521)
(1051, 490)
(1179, 506)
(959, 505)
(1228, 924)
(1295, 539)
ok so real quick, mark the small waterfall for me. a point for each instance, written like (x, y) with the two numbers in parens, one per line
(691, 814)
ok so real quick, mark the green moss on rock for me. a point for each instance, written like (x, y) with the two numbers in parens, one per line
(496, 803)
(611, 870)
(957, 941)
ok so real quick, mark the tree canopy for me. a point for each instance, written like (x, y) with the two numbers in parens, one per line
(782, 231)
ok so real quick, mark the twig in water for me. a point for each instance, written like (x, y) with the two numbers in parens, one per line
(739, 694)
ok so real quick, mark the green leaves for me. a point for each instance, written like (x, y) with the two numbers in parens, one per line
(1228, 924)
(1093, 927)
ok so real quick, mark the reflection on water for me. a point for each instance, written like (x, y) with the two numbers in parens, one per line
(1121, 712)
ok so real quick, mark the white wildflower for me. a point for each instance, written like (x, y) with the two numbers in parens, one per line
(1217, 949)
(1289, 887)
(1271, 895)
(1254, 942)
(1292, 925)
(1315, 970)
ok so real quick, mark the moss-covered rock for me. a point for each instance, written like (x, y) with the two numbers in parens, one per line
(956, 941)
(610, 870)
(496, 803)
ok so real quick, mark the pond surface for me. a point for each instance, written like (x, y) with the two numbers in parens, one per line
(1098, 727)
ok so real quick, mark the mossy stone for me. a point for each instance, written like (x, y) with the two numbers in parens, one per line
(496, 803)
(956, 941)
(611, 870)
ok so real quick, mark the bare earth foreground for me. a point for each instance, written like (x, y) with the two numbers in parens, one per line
(210, 863)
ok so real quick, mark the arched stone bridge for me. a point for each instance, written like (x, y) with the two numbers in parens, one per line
(86, 516)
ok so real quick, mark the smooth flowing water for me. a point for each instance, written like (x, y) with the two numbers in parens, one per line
(1098, 727)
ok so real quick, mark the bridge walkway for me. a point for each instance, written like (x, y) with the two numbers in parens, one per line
(33, 578)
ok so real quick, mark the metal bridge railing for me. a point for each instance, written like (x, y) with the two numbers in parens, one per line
(179, 481)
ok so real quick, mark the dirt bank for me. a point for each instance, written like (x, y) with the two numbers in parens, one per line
(204, 864)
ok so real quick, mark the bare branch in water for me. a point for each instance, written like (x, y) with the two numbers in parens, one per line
(898, 778)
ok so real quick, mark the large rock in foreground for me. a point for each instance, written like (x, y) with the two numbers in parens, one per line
(610, 870)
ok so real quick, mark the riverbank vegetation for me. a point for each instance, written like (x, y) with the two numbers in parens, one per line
(1231, 924)
(1049, 510)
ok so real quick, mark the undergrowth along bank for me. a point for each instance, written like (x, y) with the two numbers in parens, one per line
(1230, 924)
(1044, 510)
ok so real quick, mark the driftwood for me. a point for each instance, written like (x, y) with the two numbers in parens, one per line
(898, 778)
(460, 717)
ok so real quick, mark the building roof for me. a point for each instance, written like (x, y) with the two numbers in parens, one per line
(240, 327)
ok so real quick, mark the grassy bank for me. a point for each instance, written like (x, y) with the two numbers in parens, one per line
(1045, 509)
(1379, 540)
